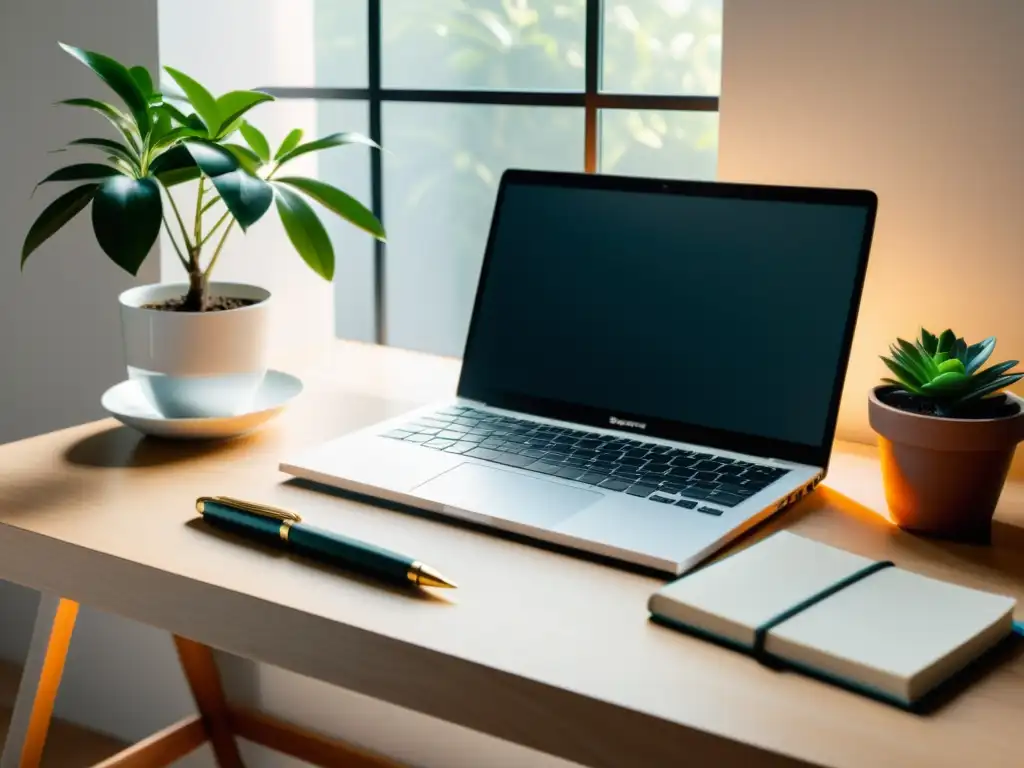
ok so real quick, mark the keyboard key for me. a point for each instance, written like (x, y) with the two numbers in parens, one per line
(641, 490)
(696, 493)
(427, 421)
(515, 438)
(709, 477)
(707, 466)
(588, 444)
(654, 468)
(584, 453)
(671, 488)
(739, 490)
(570, 473)
(710, 511)
(493, 442)
(614, 485)
(431, 431)
(471, 438)
(573, 461)
(533, 452)
(660, 498)
(555, 455)
(686, 503)
(457, 428)
(513, 460)
(397, 434)
(680, 474)
(632, 461)
(726, 499)
(636, 451)
(592, 478)
(460, 448)
(543, 467)
(438, 443)
(483, 453)
(605, 466)
(562, 440)
(420, 438)
(730, 470)
(447, 434)
(626, 473)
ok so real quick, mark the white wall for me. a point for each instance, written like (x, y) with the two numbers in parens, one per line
(60, 344)
(919, 100)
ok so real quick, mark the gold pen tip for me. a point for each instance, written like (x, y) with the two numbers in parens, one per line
(429, 577)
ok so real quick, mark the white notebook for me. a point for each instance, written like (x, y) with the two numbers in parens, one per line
(892, 634)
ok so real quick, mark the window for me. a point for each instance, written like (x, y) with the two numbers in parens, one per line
(458, 90)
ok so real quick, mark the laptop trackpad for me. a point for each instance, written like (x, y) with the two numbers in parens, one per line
(504, 494)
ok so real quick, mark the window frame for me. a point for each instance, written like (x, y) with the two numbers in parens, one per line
(592, 99)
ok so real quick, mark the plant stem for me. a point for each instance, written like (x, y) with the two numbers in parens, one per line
(195, 299)
(198, 232)
(177, 248)
(214, 228)
(220, 245)
(211, 203)
(181, 222)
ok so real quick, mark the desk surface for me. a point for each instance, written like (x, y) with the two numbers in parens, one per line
(536, 647)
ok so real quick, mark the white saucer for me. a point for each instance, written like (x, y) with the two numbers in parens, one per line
(126, 403)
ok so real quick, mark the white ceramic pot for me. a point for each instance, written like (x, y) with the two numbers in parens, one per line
(196, 364)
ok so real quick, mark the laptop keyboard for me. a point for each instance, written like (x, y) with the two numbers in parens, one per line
(646, 470)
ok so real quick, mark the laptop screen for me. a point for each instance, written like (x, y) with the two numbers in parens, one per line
(701, 312)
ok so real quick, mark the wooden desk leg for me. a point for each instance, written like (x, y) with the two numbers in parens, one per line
(201, 673)
(40, 679)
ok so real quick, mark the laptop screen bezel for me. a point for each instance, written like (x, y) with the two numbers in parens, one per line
(754, 445)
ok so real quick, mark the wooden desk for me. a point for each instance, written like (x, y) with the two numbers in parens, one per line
(538, 648)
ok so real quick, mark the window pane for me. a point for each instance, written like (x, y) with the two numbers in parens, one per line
(229, 44)
(665, 144)
(348, 168)
(340, 43)
(486, 44)
(662, 46)
(442, 165)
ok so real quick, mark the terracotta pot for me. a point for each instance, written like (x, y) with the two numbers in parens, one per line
(943, 476)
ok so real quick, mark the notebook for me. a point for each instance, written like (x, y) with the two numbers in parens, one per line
(878, 629)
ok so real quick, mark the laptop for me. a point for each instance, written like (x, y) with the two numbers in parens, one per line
(652, 367)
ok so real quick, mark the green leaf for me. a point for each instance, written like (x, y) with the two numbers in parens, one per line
(177, 134)
(120, 80)
(175, 166)
(111, 147)
(246, 196)
(978, 353)
(142, 79)
(960, 351)
(923, 359)
(947, 384)
(939, 358)
(175, 114)
(946, 340)
(126, 215)
(256, 140)
(991, 373)
(951, 365)
(929, 342)
(995, 386)
(234, 104)
(213, 159)
(291, 141)
(199, 98)
(912, 362)
(306, 232)
(245, 157)
(334, 140)
(340, 203)
(117, 118)
(907, 380)
(162, 125)
(56, 215)
(82, 171)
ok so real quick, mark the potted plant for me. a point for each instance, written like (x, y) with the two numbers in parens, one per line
(198, 349)
(947, 434)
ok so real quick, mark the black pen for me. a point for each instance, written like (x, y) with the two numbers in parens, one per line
(286, 528)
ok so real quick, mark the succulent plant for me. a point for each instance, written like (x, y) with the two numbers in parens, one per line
(943, 369)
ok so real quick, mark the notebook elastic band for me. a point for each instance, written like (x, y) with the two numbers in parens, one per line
(761, 632)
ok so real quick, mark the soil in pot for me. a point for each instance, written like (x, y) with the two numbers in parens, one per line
(986, 408)
(213, 304)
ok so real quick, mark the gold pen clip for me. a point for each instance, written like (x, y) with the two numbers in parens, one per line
(264, 510)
